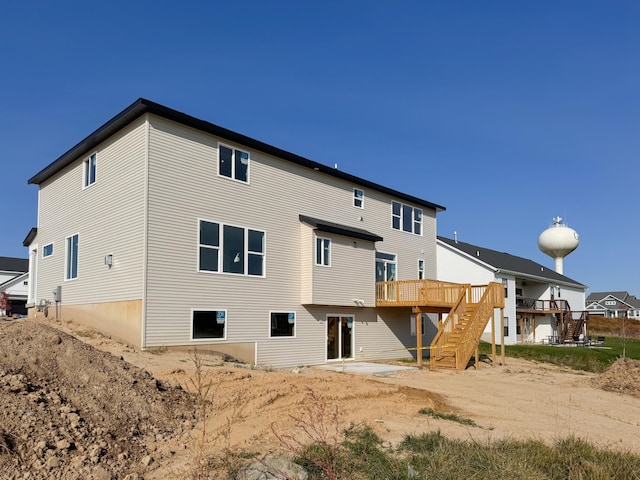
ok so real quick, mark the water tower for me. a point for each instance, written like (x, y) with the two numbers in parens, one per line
(558, 241)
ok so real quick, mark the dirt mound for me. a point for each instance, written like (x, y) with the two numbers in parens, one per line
(621, 377)
(70, 411)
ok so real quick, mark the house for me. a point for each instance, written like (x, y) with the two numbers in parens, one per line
(538, 300)
(162, 229)
(613, 304)
(14, 280)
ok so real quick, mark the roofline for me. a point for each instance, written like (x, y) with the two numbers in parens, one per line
(142, 106)
(469, 256)
(330, 227)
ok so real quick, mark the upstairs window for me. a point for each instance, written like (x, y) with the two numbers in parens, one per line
(406, 218)
(233, 163)
(358, 198)
(230, 249)
(47, 250)
(323, 251)
(420, 270)
(89, 175)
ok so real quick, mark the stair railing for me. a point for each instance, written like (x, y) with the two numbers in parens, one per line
(447, 326)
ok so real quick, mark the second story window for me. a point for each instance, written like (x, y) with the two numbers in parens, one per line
(406, 218)
(420, 269)
(230, 249)
(323, 251)
(89, 175)
(358, 198)
(47, 250)
(233, 163)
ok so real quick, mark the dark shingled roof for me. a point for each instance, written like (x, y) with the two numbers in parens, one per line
(142, 106)
(331, 227)
(509, 263)
(9, 264)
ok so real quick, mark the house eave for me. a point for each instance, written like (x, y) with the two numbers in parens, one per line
(142, 106)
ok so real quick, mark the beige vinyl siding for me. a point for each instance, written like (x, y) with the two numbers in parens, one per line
(350, 276)
(108, 217)
(184, 187)
(307, 260)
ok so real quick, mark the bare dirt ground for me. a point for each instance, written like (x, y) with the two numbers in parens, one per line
(76, 404)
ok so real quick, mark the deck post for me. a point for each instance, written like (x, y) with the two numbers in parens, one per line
(502, 334)
(419, 339)
(493, 338)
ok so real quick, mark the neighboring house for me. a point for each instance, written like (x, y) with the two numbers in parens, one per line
(14, 279)
(165, 230)
(613, 304)
(536, 297)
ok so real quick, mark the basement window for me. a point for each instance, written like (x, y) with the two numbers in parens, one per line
(283, 324)
(209, 324)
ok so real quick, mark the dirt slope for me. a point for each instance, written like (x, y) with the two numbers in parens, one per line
(70, 410)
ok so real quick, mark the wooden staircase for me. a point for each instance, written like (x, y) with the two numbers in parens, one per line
(459, 334)
(570, 326)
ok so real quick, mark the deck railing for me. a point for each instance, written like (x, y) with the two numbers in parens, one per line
(542, 305)
(413, 293)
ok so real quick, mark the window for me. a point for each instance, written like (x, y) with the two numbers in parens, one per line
(506, 290)
(506, 327)
(610, 302)
(420, 269)
(358, 198)
(209, 324)
(406, 218)
(385, 267)
(71, 270)
(47, 250)
(231, 249)
(323, 251)
(233, 163)
(90, 171)
(283, 324)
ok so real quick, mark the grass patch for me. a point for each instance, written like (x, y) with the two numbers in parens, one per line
(578, 358)
(361, 455)
(447, 416)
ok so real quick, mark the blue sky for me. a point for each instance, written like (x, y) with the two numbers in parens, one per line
(508, 113)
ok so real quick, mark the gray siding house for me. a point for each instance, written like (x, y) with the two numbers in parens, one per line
(165, 230)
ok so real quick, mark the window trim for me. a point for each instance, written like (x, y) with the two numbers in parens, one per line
(233, 163)
(67, 273)
(358, 199)
(421, 271)
(220, 249)
(86, 166)
(51, 244)
(209, 339)
(317, 242)
(295, 324)
(401, 218)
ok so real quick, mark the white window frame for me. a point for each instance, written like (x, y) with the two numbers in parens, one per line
(209, 339)
(358, 198)
(421, 271)
(89, 170)
(246, 252)
(233, 175)
(68, 266)
(323, 259)
(295, 323)
(45, 248)
(415, 223)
